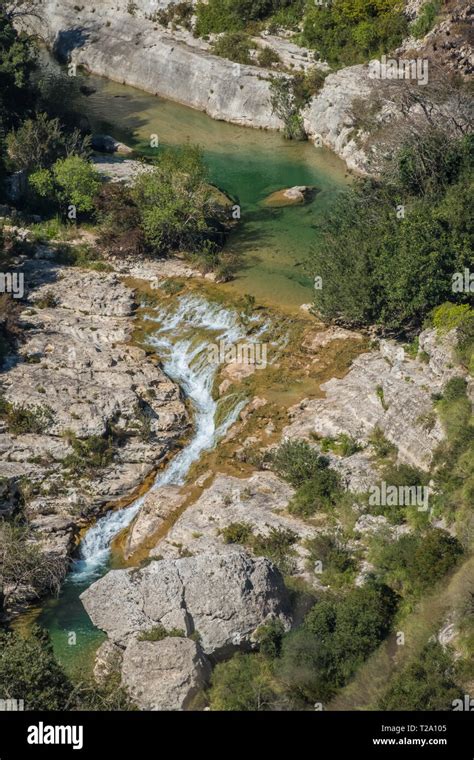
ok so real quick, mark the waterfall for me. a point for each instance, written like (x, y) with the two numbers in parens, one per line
(181, 340)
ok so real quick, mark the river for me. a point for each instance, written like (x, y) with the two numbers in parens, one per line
(274, 244)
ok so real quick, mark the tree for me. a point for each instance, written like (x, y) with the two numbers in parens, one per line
(178, 208)
(336, 637)
(29, 672)
(23, 566)
(287, 103)
(40, 141)
(17, 63)
(71, 181)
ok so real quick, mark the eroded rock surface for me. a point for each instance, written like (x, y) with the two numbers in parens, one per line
(222, 599)
(385, 389)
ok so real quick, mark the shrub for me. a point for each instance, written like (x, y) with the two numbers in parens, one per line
(277, 546)
(71, 181)
(297, 462)
(267, 57)
(242, 684)
(28, 671)
(337, 635)
(415, 563)
(41, 141)
(235, 46)
(237, 533)
(270, 638)
(425, 684)
(319, 493)
(343, 445)
(426, 19)
(178, 209)
(402, 268)
(24, 566)
(345, 33)
(383, 447)
(89, 454)
(334, 557)
(23, 420)
(287, 102)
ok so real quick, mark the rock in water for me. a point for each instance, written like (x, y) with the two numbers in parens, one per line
(292, 196)
(222, 597)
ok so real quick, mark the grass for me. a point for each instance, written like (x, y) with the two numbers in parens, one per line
(159, 632)
(22, 420)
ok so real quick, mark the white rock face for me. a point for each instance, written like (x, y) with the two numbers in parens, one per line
(260, 501)
(224, 598)
(384, 388)
(133, 49)
(164, 675)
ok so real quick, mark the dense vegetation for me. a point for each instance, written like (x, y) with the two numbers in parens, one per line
(342, 32)
(387, 251)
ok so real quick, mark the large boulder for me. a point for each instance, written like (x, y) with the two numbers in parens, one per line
(164, 675)
(221, 598)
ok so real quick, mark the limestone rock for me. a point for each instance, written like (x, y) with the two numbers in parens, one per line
(164, 675)
(224, 598)
(159, 505)
(260, 501)
(388, 389)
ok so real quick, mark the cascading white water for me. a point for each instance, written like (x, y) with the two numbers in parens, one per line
(181, 340)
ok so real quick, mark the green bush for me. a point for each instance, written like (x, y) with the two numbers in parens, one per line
(159, 632)
(242, 684)
(41, 141)
(335, 557)
(415, 563)
(29, 672)
(277, 546)
(89, 454)
(267, 57)
(177, 207)
(400, 268)
(71, 181)
(270, 638)
(235, 46)
(22, 420)
(237, 533)
(346, 32)
(319, 493)
(297, 462)
(336, 637)
(426, 19)
(425, 684)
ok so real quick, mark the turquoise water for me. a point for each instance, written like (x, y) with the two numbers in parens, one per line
(249, 165)
(274, 243)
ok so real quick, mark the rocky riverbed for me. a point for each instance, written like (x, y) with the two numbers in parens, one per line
(78, 380)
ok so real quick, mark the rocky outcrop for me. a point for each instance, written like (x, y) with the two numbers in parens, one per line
(91, 415)
(259, 501)
(221, 599)
(385, 389)
(292, 196)
(176, 671)
(159, 505)
(110, 41)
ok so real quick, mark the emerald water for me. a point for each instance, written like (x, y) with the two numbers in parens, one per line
(248, 164)
(274, 243)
